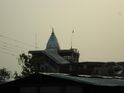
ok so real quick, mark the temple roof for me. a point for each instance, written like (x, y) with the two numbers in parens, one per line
(52, 42)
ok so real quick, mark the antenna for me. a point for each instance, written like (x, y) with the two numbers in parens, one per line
(72, 39)
(35, 40)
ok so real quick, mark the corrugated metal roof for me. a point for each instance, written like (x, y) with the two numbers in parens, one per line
(83, 79)
(92, 80)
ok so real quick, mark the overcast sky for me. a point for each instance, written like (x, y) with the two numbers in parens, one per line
(98, 25)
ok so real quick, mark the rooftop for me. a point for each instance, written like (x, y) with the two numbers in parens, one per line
(93, 80)
(80, 79)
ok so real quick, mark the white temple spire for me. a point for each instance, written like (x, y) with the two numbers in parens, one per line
(53, 42)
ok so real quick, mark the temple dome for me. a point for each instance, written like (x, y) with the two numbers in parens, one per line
(53, 42)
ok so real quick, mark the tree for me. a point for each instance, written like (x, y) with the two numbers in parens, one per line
(29, 65)
(4, 74)
(16, 75)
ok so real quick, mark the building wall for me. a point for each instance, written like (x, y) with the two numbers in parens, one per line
(46, 64)
(52, 89)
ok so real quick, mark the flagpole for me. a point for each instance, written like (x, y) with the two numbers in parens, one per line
(72, 39)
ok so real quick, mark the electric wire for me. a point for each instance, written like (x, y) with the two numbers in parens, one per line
(17, 41)
(7, 49)
(16, 47)
(10, 47)
(8, 53)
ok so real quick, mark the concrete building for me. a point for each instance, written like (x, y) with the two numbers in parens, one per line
(56, 60)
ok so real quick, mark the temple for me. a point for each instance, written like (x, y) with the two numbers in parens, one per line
(53, 58)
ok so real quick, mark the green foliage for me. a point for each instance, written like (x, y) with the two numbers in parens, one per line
(4, 74)
(16, 75)
(29, 65)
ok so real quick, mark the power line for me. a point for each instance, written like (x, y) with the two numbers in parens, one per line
(9, 49)
(18, 41)
(3, 43)
(8, 53)
(6, 49)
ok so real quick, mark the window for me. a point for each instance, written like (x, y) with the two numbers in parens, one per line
(73, 89)
(50, 89)
(28, 90)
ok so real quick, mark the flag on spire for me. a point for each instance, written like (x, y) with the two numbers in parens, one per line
(73, 31)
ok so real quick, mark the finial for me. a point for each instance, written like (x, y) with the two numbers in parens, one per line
(52, 30)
